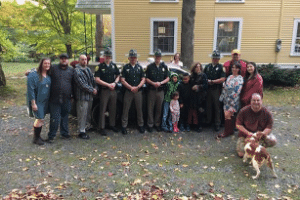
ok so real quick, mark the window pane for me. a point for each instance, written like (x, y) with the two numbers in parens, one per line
(298, 31)
(297, 46)
(163, 36)
(227, 38)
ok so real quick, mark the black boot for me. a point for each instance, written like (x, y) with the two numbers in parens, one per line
(37, 136)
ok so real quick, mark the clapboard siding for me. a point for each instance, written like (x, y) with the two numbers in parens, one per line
(263, 24)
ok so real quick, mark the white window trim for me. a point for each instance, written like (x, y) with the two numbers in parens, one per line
(296, 21)
(220, 1)
(164, 1)
(235, 19)
(152, 20)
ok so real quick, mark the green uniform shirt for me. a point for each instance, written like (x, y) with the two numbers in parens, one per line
(157, 74)
(214, 72)
(107, 73)
(133, 75)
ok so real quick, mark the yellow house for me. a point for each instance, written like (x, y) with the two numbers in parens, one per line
(253, 26)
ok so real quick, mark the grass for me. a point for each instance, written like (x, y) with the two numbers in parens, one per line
(14, 93)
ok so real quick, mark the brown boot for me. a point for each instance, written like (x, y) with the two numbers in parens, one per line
(228, 129)
(37, 136)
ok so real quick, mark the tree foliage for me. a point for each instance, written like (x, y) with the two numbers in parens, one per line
(48, 27)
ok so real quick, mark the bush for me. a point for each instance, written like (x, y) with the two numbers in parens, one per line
(274, 75)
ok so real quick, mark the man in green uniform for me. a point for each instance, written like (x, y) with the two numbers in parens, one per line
(133, 79)
(216, 77)
(157, 75)
(107, 76)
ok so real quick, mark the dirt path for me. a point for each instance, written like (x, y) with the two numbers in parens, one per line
(181, 164)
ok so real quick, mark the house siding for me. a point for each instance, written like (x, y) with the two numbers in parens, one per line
(261, 27)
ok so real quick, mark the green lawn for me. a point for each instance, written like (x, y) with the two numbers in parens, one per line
(14, 92)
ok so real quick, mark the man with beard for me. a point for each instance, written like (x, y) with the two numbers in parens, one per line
(254, 118)
(60, 97)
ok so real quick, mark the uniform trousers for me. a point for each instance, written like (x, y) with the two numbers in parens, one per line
(155, 99)
(108, 97)
(213, 104)
(84, 111)
(59, 115)
(138, 99)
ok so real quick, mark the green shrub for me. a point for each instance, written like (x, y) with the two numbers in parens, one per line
(273, 75)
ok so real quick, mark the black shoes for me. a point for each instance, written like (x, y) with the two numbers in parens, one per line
(102, 132)
(158, 129)
(142, 129)
(199, 129)
(150, 129)
(217, 128)
(49, 140)
(124, 131)
(66, 136)
(114, 129)
(83, 136)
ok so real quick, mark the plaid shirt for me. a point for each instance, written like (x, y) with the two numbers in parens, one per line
(85, 83)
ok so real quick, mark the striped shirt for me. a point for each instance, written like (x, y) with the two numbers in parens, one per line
(85, 83)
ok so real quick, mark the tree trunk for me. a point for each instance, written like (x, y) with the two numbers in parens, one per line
(69, 50)
(99, 35)
(2, 77)
(187, 32)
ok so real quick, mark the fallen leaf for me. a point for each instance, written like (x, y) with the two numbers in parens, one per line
(184, 165)
(25, 169)
(83, 189)
(211, 184)
(125, 163)
(110, 174)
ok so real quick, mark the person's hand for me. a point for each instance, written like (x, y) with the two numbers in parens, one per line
(157, 84)
(181, 105)
(95, 92)
(27, 72)
(210, 82)
(112, 86)
(134, 89)
(194, 87)
(34, 107)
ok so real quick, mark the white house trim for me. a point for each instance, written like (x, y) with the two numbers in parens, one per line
(175, 20)
(113, 31)
(235, 19)
(296, 22)
(164, 1)
(222, 1)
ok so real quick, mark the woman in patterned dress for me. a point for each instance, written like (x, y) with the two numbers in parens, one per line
(231, 98)
(38, 93)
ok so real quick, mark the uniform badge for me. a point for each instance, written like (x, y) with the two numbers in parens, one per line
(163, 69)
(47, 85)
(103, 70)
(127, 70)
(97, 67)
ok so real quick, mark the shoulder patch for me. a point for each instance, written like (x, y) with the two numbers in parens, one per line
(97, 68)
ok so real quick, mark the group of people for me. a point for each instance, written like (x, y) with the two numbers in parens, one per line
(172, 104)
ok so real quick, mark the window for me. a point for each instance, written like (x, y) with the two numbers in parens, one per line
(163, 35)
(230, 1)
(295, 49)
(228, 34)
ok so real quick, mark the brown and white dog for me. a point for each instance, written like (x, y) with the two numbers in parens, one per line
(258, 154)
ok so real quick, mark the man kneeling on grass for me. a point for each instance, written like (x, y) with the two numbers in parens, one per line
(252, 118)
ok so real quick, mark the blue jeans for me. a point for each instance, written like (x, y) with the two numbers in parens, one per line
(59, 115)
(166, 123)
